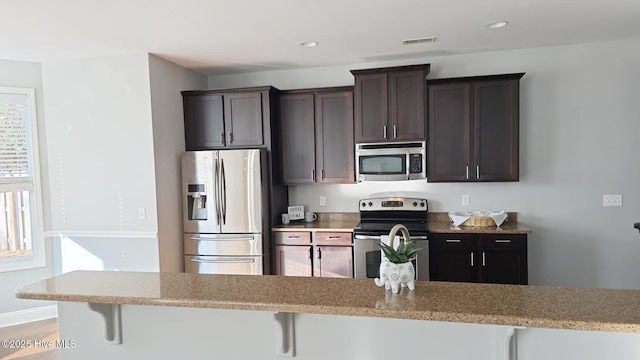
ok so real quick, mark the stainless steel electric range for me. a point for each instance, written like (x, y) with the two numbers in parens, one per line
(377, 217)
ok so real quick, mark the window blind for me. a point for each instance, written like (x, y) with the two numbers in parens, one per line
(14, 137)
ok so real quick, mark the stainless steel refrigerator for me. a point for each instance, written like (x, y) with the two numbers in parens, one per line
(225, 211)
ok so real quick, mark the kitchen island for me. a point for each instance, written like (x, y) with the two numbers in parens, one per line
(154, 315)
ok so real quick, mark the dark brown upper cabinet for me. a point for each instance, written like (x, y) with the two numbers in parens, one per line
(473, 129)
(317, 135)
(390, 104)
(231, 118)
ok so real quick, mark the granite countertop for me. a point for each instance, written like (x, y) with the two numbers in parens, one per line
(437, 222)
(510, 227)
(336, 222)
(512, 305)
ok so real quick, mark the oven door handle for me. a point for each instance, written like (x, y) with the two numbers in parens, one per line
(373, 237)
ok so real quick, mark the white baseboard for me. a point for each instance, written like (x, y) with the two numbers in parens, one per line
(28, 315)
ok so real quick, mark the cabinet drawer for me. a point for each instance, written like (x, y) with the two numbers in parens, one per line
(452, 241)
(292, 238)
(333, 238)
(511, 241)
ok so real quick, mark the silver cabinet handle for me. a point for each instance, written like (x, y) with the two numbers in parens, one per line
(395, 132)
(293, 236)
(472, 258)
(478, 172)
(322, 175)
(483, 259)
(313, 175)
(222, 138)
(467, 172)
(452, 240)
(224, 260)
(319, 253)
(384, 131)
(503, 241)
(230, 137)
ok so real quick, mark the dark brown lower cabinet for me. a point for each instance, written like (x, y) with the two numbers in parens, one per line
(486, 258)
(321, 254)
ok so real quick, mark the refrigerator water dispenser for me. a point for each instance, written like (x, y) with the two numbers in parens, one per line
(197, 202)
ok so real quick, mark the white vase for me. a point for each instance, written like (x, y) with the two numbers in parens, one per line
(392, 276)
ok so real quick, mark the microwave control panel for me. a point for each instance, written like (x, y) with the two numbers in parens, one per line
(415, 163)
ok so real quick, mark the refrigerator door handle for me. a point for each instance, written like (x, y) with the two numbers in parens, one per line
(224, 260)
(222, 237)
(224, 194)
(216, 191)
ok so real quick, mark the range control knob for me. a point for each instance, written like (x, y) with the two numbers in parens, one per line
(415, 203)
(363, 204)
(421, 204)
(370, 203)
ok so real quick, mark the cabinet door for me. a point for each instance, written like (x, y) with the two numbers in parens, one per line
(453, 257)
(495, 114)
(298, 138)
(293, 260)
(204, 122)
(503, 259)
(449, 155)
(333, 261)
(243, 119)
(407, 106)
(453, 265)
(334, 132)
(371, 111)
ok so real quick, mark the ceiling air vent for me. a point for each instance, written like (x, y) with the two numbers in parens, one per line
(419, 41)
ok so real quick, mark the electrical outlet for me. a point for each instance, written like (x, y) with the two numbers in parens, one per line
(142, 214)
(465, 200)
(611, 200)
(323, 200)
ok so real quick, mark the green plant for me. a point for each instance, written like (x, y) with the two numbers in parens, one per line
(405, 252)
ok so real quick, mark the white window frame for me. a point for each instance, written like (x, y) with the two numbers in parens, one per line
(38, 244)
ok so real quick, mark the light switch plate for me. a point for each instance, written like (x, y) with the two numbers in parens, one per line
(465, 200)
(612, 200)
(323, 200)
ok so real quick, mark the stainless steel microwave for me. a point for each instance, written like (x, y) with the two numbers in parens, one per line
(391, 161)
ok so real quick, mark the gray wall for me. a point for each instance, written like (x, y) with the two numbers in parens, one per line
(27, 75)
(580, 139)
(100, 137)
(167, 80)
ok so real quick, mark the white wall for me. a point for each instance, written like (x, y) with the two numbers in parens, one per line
(579, 139)
(27, 75)
(100, 152)
(167, 80)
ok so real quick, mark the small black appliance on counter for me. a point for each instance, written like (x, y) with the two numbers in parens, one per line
(637, 226)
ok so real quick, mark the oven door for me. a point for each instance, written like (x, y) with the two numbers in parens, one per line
(367, 257)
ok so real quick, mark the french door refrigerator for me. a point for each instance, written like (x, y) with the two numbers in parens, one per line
(225, 211)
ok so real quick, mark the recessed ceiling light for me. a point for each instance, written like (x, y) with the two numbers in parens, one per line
(309, 43)
(497, 24)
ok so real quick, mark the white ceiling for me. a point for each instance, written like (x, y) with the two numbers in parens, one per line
(221, 37)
